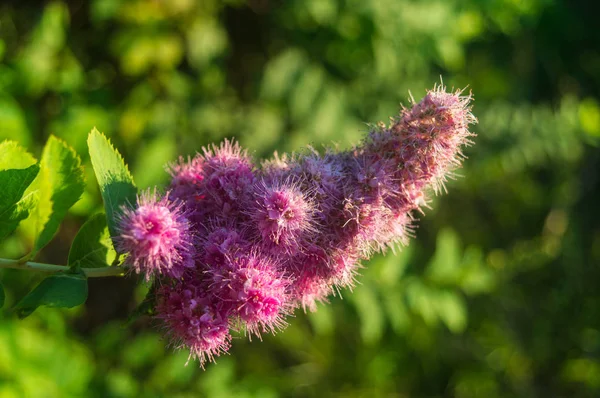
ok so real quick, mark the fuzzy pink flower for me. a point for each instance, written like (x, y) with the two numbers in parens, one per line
(425, 143)
(322, 176)
(157, 236)
(311, 276)
(187, 177)
(282, 215)
(260, 294)
(221, 243)
(229, 177)
(250, 290)
(192, 320)
(214, 184)
(291, 232)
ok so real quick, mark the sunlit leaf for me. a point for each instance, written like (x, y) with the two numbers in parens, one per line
(13, 156)
(17, 172)
(116, 183)
(58, 186)
(13, 215)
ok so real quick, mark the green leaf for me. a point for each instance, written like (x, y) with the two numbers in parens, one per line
(59, 290)
(59, 185)
(17, 172)
(13, 156)
(20, 212)
(2, 295)
(116, 183)
(92, 246)
(13, 206)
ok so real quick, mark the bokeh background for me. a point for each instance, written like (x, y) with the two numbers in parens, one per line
(496, 297)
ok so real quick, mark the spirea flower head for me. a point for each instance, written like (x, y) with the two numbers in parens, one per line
(425, 141)
(220, 243)
(157, 236)
(312, 274)
(258, 293)
(193, 320)
(214, 184)
(282, 216)
(322, 176)
(290, 231)
(187, 178)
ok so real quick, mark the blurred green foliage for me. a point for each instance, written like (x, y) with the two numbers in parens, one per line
(497, 295)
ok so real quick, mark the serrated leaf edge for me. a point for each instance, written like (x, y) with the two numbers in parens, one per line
(115, 150)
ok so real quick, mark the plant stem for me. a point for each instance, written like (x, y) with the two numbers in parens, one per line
(89, 272)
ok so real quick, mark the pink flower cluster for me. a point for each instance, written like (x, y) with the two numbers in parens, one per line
(238, 246)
